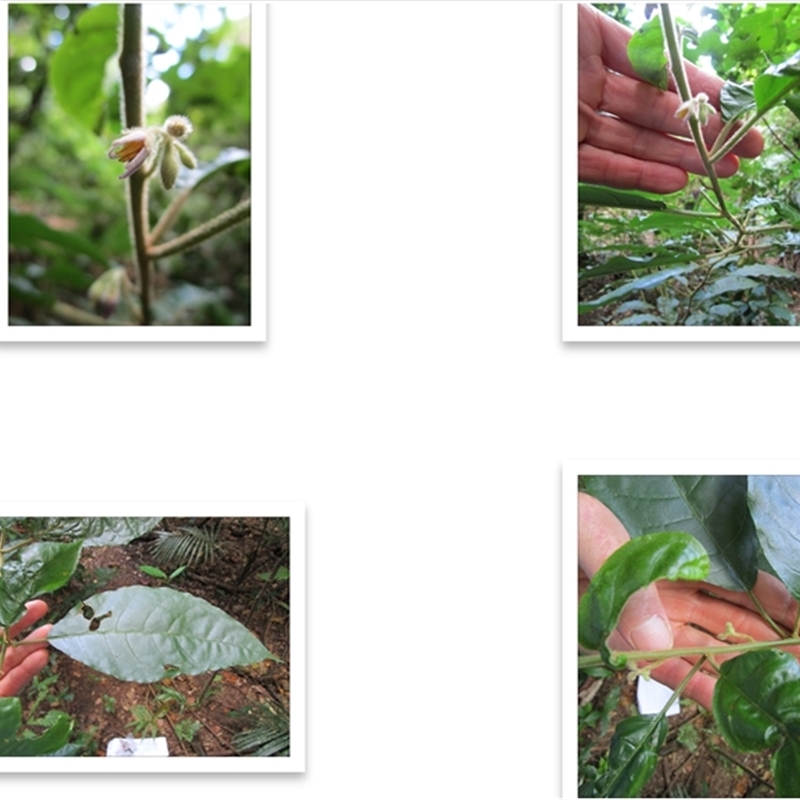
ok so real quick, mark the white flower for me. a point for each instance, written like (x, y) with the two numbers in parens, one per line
(696, 107)
(163, 145)
(133, 147)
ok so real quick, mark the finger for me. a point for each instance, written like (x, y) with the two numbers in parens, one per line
(16, 655)
(14, 681)
(700, 688)
(34, 611)
(713, 614)
(600, 533)
(617, 136)
(623, 172)
(673, 671)
(771, 593)
(643, 624)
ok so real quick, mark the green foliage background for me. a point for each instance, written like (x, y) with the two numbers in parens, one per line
(68, 217)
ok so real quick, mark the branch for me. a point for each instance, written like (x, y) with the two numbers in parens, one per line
(227, 219)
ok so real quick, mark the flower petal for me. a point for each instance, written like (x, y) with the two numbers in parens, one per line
(135, 163)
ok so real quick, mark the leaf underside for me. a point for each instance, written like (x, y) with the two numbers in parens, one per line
(146, 633)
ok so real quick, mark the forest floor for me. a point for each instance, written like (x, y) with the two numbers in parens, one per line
(199, 715)
(693, 762)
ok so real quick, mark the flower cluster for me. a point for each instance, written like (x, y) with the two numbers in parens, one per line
(696, 107)
(160, 147)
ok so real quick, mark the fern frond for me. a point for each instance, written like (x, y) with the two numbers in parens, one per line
(190, 546)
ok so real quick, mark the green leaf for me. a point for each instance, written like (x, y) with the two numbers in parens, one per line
(37, 569)
(589, 195)
(788, 67)
(642, 284)
(51, 740)
(725, 285)
(638, 563)
(775, 83)
(713, 508)
(28, 232)
(647, 55)
(793, 104)
(735, 99)
(755, 705)
(672, 223)
(634, 754)
(146, 632)
(617, 264)
(764, 271)
(78, 67)
(775, 506)
(103, 531)
(154, 572)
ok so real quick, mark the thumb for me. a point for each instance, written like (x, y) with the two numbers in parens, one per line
(643, 623)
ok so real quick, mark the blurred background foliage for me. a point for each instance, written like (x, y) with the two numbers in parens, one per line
(67, 206)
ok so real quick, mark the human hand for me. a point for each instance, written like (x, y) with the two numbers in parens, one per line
(671, 614)
(635, 148)
(22, 662)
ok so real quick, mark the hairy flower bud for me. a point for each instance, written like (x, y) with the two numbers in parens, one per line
(169, 165)
(178, 127)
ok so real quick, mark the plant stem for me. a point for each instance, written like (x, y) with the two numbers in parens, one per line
(763, 611)
(596, 660)
(676, 62)
(131, 64)
(227, 219)
(169, 216)
(76, 316)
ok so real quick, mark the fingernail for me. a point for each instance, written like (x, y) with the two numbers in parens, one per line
(652, 634)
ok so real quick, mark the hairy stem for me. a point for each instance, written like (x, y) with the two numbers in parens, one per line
(168, 217)
(682, 82)
(679, 652)
(132, 69)
(227, 219)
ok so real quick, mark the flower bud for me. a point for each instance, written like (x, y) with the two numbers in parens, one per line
(187, 156)
(107, 290)
(178, 127)
(169, 165)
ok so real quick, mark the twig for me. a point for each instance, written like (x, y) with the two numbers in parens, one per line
(227, 219)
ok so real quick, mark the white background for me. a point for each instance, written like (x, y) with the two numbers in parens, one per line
(414, 394)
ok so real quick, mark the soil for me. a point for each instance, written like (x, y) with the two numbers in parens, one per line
(104, 707)
(693, 762)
